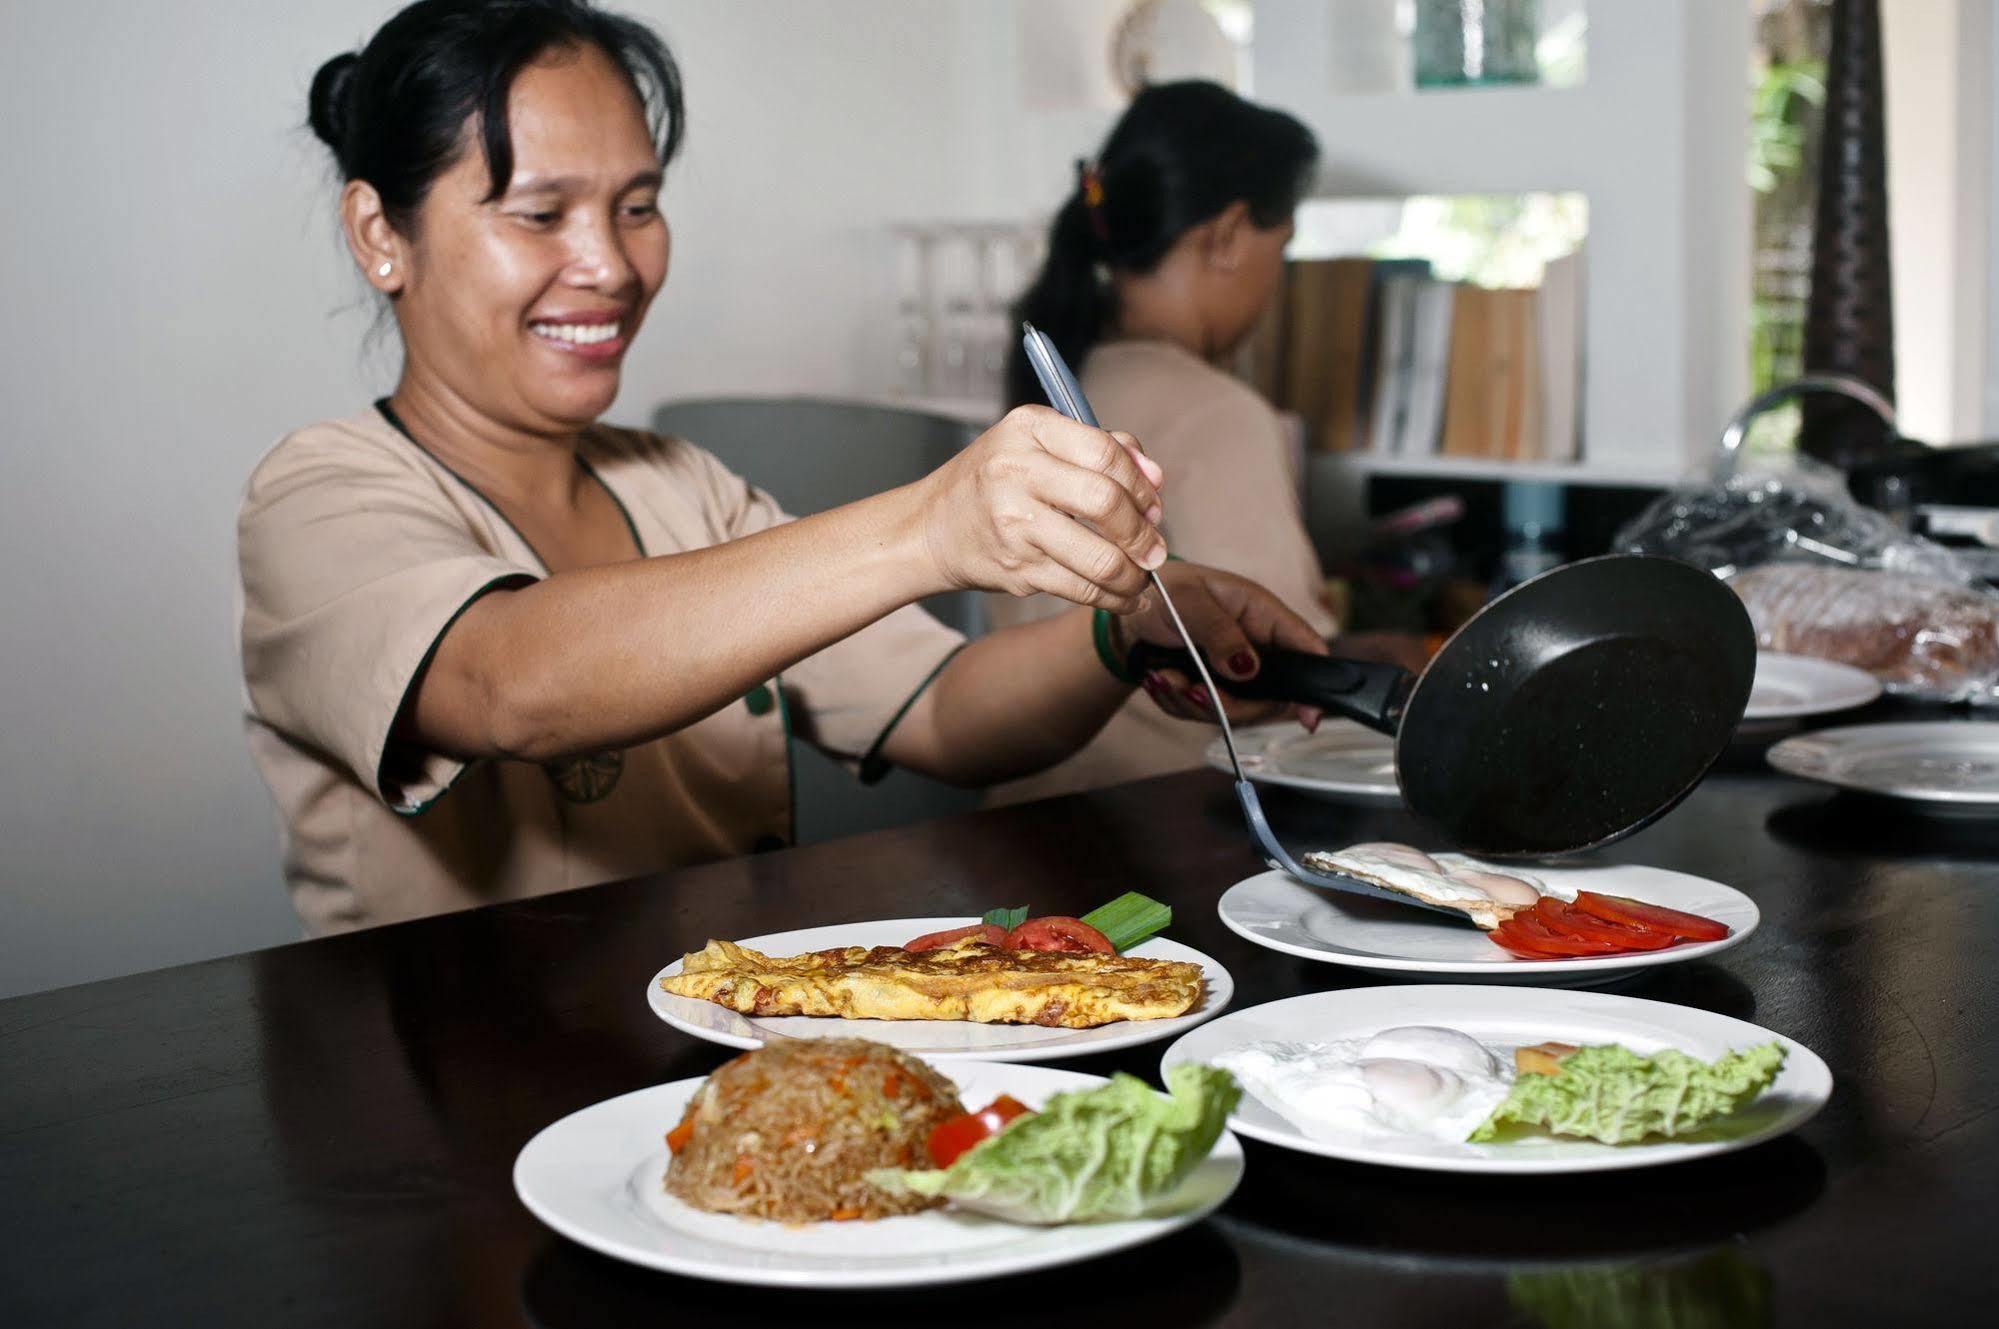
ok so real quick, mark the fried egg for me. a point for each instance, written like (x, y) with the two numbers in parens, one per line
(1481, 891)
(1415, 1080)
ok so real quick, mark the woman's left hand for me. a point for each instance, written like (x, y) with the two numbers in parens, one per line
(1229, 617)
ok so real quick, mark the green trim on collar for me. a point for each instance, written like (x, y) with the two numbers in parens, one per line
(388, 413)
(875, 767)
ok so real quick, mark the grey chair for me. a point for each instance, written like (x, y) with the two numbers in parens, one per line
(810, 454)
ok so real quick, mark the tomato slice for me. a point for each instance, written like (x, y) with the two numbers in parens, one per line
(1512, 943)
(1057, 932)
(955, 1135)
(1564, 918)
(1529, 931)
(990, 933)
(1658, 918)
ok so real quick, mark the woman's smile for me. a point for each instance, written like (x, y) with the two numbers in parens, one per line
(595, 336)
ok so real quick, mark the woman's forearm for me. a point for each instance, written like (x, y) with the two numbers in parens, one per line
(612, 656)
(1010, 704)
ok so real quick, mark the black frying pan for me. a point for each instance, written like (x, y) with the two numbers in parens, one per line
(1570, 712)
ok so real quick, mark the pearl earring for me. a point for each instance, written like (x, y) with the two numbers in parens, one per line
(385, 269)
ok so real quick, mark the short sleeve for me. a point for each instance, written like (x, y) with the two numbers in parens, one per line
(354, 562)
(853, 693)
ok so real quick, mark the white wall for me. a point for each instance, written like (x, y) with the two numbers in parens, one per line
(1937, 61)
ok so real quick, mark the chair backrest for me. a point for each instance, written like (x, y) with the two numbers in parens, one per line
(810, 454)
(814, 453)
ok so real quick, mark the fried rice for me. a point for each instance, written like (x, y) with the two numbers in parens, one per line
(790, 1131)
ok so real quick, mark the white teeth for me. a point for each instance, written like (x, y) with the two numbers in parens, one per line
(579, 334)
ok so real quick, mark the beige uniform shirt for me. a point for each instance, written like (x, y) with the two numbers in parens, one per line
(357, 550)
(1230, 503)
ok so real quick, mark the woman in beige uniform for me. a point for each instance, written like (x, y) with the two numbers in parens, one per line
(1158, 267)
(494, 648)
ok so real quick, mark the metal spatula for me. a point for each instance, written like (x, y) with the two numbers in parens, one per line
(1066, 396)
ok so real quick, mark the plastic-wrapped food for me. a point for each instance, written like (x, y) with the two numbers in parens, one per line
(1826, 577)
(1915, 634)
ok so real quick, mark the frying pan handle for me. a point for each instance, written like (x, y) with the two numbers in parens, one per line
(1370, 692)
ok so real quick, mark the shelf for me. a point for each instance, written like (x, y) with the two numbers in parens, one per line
(1480, 468)
(1654, 138)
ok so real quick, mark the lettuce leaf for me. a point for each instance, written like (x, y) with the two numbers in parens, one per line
(1610, 1093)
(1103, 1153)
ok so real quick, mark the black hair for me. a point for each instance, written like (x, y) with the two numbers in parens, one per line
(1179, 155)
(395, 114)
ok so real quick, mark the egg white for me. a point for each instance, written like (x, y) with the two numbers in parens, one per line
(1418, 1080)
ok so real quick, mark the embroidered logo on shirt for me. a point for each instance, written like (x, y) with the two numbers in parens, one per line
(586, 779)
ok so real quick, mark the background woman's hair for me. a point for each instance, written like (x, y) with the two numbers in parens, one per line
(1178, 156)
(396, 114)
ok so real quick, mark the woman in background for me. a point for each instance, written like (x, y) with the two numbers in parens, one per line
(495, 648)
(1159, 266)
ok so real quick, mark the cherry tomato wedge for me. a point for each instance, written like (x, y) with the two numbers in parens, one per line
(1636, 913)
(1526, 932)
(990, 933)
(955, 1135)
(1564, 918)
(1058, 933)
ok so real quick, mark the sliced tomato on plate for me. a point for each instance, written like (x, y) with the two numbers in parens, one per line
(955, 1135)
(1528, 935)
(990, 933)
(1512, 945)
(1056, 932)
(1658, 918)
(1563, 917)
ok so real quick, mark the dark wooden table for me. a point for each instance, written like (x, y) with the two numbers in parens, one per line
(324, 1133)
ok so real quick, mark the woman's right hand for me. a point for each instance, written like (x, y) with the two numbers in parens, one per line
(1041, 503)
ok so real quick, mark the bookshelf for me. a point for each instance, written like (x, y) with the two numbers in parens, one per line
(1654, 138)
(1481, 468)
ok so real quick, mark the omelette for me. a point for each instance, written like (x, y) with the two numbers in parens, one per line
(970, 980)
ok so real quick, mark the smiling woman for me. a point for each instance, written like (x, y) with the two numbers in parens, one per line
(495, 648)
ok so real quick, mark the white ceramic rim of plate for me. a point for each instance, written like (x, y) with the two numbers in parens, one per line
(1252, 740)
(557, 1190)
(1805, 1079)
(1030, 1042)
(1800, 756)
(1744, 920)
(1842, 687)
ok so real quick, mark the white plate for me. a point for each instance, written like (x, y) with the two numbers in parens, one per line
(934, 1039)
(1506, 1018)
(1344, 760)
(598, 1177)
(1277, 910)
(1949, 764)
(1790, 686)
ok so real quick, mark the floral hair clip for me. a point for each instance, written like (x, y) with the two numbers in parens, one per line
(1091, 182)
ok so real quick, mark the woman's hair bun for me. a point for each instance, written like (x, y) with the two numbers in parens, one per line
(330, 102)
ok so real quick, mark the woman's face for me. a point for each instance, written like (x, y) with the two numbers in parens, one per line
(1258, 268)
(522, 307)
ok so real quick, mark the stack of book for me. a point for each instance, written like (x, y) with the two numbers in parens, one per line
(1378, 356)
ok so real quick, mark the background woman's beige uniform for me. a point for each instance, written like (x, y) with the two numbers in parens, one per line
(357, 551)
(1230, 503)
